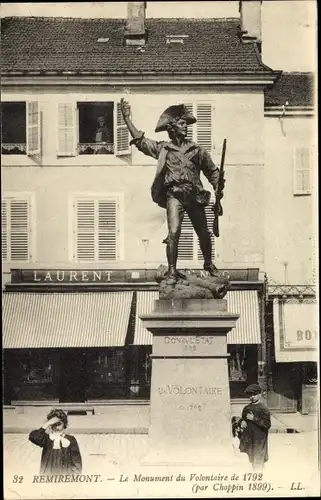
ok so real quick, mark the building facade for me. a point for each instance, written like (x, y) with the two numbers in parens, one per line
(81, 238)
(291, 262)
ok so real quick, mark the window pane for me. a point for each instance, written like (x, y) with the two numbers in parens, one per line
(96, 127)
(140, 371)
(106, 371)
(13, 122)
(242, 368)
(33, 375)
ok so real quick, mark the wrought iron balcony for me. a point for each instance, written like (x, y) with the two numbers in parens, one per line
(291, 290)
(14, 148)
(94, 148)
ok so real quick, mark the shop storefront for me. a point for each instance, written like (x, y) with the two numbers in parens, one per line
(293, 384)
(87, 344)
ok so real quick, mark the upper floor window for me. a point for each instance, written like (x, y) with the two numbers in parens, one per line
(202, 131)
(96, 128)
(189, 247)
(96, 228)
(20, 128)
(91, 128)
(302, 170)
(16, 228)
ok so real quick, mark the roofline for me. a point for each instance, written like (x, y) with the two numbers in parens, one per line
(135, 78)
(278, 111)
(111, 19)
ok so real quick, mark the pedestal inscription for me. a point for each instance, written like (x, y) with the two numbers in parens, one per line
(190, 400)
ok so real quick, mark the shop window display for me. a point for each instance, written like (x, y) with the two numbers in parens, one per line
(34, 377)
(106, 370)
(242, 368)
(140, 372)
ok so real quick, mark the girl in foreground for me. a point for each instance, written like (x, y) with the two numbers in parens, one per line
(60, 451)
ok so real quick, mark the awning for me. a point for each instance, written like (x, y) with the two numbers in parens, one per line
(295, 330)
(145, 305)
(43, 320)
(242, 302)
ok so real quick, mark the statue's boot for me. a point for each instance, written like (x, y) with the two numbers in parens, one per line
(171, 253)
(171, 277)
(212, 270)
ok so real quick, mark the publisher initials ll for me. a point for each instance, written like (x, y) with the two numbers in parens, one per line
(296, 486)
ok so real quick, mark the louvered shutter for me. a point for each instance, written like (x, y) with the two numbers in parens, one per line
(302, 163)
(122, 146)
(190, 128)
(85, 230)
(186, 240)
(210, 218)
(15, 219)
(96, 231)
(204, 116)
(4, 230)
(33, 128)
(107, 230)
(67, 129)
(19, 229)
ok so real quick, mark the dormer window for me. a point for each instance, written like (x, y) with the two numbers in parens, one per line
(102, 40)
(176, 38)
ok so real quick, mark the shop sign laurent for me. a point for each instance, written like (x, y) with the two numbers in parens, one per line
(74, 276)
(71, 276)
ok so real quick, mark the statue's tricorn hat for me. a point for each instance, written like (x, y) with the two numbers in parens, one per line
(253, 389)
(174, 112)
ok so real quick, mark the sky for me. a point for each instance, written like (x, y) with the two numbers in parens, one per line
(288, 26)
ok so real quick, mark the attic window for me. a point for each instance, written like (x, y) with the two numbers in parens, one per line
(176, 38)
(103, 40)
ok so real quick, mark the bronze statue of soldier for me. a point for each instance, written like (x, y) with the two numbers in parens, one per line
(177, 186)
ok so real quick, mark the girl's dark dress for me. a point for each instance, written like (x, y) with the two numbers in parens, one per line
(65, 460)
(254, 439)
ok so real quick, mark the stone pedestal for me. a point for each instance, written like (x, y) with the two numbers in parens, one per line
(190, 399)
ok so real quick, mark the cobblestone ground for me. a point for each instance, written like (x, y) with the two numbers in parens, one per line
(293, 460)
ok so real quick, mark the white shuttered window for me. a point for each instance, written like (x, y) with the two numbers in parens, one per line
(302, 170)
(16, 229)
(189, 248)
(122, 146)
(96, 229)
(67, 129)
(201, 132)
(33, 128)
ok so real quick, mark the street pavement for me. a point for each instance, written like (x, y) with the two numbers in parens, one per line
(293, 463)
(130, 419)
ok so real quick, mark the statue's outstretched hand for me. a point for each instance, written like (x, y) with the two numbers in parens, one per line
(125, 108)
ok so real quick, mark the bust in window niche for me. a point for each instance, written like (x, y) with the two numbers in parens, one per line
(102, 135)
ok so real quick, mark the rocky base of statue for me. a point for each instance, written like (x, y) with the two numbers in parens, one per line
(189, 286)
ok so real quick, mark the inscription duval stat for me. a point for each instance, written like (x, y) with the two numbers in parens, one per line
(189, 340)
(176, 390)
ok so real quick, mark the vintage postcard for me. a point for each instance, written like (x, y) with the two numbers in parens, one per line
(159, 249)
